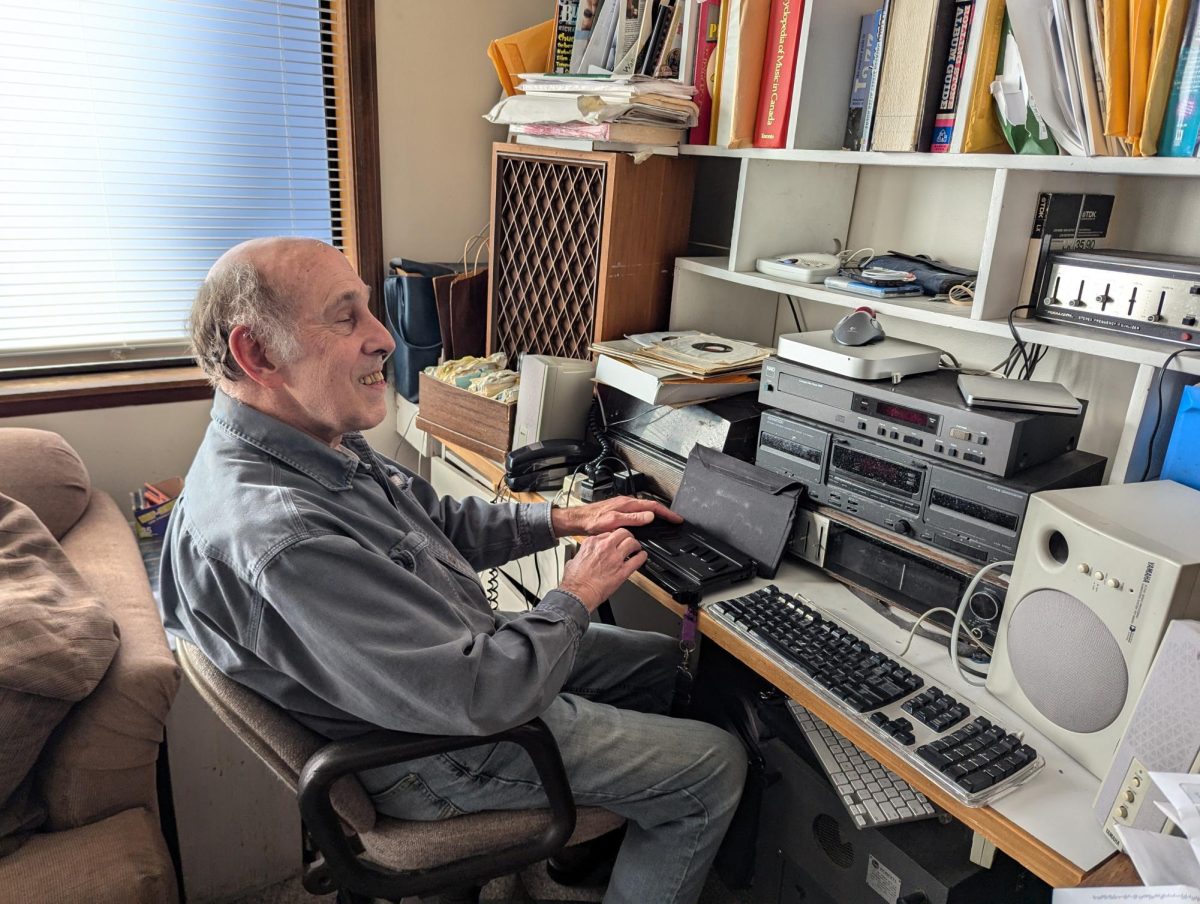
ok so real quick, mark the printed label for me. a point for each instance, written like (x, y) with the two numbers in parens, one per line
(885, 883)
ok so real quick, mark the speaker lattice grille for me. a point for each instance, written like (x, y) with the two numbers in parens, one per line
(1067, 661)
(548, 220)
(829, 836)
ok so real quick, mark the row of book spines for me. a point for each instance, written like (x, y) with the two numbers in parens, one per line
(775, 77)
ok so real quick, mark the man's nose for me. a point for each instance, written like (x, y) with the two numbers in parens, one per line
(380, 342)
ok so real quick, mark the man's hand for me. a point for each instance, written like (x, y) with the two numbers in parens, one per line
(602, 517)
(602, 564)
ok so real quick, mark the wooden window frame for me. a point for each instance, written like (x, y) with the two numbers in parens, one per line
(357, 115)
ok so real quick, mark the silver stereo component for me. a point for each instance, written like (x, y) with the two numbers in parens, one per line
(924, 414)
(1156, 296)
(944, 506)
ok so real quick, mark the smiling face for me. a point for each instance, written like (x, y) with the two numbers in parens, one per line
(334, 383)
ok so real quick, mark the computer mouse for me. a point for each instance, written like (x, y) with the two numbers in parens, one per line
(858, 328)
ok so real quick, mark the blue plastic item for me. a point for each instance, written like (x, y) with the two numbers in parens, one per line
(1182, 463)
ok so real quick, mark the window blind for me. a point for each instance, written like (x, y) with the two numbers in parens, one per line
(140, 139)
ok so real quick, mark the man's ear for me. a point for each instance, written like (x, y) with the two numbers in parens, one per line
(253, 357)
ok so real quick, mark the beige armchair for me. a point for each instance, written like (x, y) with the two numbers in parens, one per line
(99, 838)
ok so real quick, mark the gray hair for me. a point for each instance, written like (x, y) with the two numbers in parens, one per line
(234, 295)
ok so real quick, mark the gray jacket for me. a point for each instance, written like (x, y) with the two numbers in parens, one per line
(337, 584)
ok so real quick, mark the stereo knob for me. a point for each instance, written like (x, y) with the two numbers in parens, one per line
(1130, 797)
(1114, 583)
(984, 606)
(1153, 318)
(1084, 568)
(903, 527)
(1122, 812)
(1098, 575)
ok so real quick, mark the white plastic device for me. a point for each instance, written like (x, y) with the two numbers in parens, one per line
(887, 359)
(800, 266)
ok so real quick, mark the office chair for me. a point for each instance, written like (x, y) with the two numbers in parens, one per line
(362, 854)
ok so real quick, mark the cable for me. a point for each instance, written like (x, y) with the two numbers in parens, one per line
(953, 361)
(1018, 340)
(958, 619)
(912, 632)
(795, 315)
(1158, 414)
(962, 294)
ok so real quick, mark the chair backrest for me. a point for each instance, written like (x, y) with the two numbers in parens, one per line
(278, 740)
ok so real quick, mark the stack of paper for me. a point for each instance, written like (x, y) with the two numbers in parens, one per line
(1169, 865)
(681, 368)
(565, 110)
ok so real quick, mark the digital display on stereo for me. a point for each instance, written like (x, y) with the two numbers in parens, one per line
(902, 415)
(878, 471)
(791, 447)
(1006, 520)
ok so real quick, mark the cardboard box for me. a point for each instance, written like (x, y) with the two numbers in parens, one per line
(473, 421)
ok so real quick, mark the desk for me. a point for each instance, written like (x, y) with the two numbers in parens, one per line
(1055, 803)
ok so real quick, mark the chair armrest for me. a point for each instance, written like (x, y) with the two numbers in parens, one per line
(343, 868)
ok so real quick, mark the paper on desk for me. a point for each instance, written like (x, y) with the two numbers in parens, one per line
(1163, 894)
(1182, 792)
(1161, 859)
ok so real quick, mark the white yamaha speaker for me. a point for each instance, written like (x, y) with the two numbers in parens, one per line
(555, 396)
(1163, 735)
(1099, 573)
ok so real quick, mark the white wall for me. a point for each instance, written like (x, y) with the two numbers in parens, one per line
(435, 84)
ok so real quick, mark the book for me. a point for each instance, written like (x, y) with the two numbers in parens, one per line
(566, 12)
(595, 54)
(584, 20)
(1181, 124)
(778, 74)
(708, 25)
(632, 132)
(652, 50)
(1062, 222)
(915, 50)
(662, 386)
(669, 61)
(944, 118)
(741, 72)
(873, 86)
(864, 66)
(727, 7)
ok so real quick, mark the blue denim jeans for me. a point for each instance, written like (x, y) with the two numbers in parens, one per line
(676, 781)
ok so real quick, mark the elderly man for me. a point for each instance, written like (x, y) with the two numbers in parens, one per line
(337, 584)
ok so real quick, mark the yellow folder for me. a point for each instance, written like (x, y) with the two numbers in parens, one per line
(1162, 71)
(1143, 17)
(983, 134)
(1116, 67)
(527, 50)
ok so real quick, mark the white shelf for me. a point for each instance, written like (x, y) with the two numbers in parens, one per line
(1119, 166)
(1054, 335)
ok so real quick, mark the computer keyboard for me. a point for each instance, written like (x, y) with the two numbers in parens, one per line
(966, 754)
(874, 796)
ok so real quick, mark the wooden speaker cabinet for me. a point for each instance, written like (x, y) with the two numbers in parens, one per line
(583, 247)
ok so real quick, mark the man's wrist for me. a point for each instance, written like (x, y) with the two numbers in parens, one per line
(563, 522)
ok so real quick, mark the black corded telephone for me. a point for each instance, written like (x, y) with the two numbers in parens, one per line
(546, 464)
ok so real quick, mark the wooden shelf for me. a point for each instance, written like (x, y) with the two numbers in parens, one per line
(1118, 166)
(1054, 335)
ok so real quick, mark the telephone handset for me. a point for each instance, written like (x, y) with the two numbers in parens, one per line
(546, 464)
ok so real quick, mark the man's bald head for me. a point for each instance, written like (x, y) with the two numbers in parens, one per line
(253, 284)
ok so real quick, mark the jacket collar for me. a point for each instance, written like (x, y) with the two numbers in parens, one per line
(332, 469)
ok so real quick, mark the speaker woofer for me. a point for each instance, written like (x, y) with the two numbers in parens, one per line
(1066, 661)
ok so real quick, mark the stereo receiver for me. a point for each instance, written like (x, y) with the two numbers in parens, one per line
(924, 414)
(1156, 296)
(943, 505)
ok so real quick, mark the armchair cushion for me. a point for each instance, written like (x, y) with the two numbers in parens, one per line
(101, 759)
(56, 641)
(40, 469)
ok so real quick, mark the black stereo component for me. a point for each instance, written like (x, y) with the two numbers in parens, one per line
(687, 562)
(925, 414)
(899, 573)
(809, 849)
(1156, 296)
(943, 505)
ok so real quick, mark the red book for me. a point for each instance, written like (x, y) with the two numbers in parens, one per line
(779, 70)
(708, 17)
